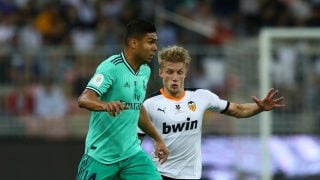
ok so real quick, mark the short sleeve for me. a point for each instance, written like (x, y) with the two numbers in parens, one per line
(102, 79)
(214, 102)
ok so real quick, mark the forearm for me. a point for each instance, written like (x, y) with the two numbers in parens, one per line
(92, 104)
(250, 109)
(146, 126)
(243, 110)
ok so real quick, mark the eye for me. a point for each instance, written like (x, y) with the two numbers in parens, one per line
(151, 41)
(180, 72)
(169, 71)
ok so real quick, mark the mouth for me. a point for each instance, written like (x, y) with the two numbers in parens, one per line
(174, 86)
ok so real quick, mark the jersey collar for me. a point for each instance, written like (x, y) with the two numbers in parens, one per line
(128, 65)
(168, 96)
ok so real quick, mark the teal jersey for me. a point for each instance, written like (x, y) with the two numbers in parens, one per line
(111, 139)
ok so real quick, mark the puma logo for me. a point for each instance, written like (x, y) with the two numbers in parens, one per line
(163, 110)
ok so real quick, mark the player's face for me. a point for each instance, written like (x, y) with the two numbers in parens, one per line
(147, 47)
(173, 75)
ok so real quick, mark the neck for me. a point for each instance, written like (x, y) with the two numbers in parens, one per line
(174, 96)
(132, 60)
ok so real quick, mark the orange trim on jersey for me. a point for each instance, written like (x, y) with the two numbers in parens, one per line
(166, 95)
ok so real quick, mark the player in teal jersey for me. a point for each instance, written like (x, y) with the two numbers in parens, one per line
(114, 95)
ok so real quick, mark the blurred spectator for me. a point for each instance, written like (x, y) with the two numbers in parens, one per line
(82, 39)
(300, 10)
(4, 70)
(286, 58)
(81, 74)
(7, 6)
(20, 101)
(209, 73)
(24, 66)
(222, 34)
(85, 11)
(250, 10)
(168, 34)
(110, 8)
(50, 110)
(50, 101)
(205, 14)
(28, 36)
(50, 24)
(56, 21)
(198, 76)
(54, 63)
(7, 29)
(71, 17)
(225, 8)
(108, 33)
(314, 20)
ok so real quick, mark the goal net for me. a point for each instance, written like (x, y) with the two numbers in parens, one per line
(290, 62)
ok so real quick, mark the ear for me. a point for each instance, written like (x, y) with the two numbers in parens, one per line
(133, 42)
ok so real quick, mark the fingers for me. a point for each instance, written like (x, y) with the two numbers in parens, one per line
(114, 107)
(162, 153)
(271, 101)
(279, 102)
(163, 156)
(273, 92)
(255, 99)
(276, 100)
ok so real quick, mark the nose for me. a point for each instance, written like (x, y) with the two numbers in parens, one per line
(155, 47)
(175, 77)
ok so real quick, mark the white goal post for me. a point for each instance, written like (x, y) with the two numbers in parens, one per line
(265, 58)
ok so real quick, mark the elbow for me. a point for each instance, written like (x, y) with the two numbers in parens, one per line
(81, 102)
(238, 116)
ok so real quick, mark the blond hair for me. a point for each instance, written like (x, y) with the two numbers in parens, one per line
(174, 54)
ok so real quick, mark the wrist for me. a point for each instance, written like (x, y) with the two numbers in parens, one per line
(159, 140)
(104, 107)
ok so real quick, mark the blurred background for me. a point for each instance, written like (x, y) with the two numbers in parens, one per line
(49, 49)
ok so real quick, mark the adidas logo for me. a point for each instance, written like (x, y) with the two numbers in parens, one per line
(126, 85)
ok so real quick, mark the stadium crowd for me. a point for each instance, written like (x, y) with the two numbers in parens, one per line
(45, 40)
(49, 48)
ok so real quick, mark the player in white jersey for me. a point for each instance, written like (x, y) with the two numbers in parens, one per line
(177, 114)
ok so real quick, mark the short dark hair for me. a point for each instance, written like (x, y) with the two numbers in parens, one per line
(137, 28)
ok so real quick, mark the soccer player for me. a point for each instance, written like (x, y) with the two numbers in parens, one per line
(177, 113)
(114, 95)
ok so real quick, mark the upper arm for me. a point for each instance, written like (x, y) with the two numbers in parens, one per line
(87, 95)
(103, 78)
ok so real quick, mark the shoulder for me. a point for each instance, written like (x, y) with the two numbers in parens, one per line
(198, 91)
(201, 93)
(111, 62)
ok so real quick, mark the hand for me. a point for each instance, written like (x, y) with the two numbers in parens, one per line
(161, 152)
(114, 107)
(270, 101)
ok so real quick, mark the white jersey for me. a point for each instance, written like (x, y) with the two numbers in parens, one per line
(179, 122)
